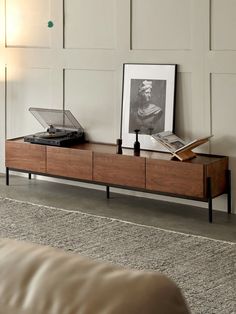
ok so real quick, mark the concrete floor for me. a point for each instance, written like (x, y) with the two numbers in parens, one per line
(172, 216)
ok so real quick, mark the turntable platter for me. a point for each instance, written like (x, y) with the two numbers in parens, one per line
(51, 135)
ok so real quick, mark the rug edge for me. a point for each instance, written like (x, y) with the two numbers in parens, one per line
(119, 220)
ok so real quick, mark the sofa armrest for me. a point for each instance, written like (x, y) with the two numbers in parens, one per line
(42, 280)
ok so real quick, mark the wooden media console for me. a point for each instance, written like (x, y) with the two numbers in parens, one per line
(202, 178)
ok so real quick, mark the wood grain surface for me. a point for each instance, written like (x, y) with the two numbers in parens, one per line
(175, 177)
(119, 169)
(153, 171)
(25, 156)
(217, 172)
(68, 162)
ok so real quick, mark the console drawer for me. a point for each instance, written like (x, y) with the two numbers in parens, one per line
(26, 156)
(119, 170)
(69, 162)
(174, 177)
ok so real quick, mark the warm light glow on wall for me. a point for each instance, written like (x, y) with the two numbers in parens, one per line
(13, 24)
(2, 24)
(27, 23)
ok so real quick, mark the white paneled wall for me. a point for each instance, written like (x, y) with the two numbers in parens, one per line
(223, 24)
(37, 83)
(183, 108)
(90, 24)
(92, 101)
(161, 24)
(2, 115)
(77, 64)
(223, 113)
(26, 22)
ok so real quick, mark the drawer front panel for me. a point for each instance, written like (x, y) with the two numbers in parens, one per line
(119, 170)
(69, 162)
(181, 178)
(26, 156)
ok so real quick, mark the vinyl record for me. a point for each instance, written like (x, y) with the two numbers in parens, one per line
(51, 135)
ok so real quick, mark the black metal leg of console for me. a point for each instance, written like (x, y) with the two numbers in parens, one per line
(29, 176)
(7, 176)
(209, 195)
(228, 182)
(108, 192)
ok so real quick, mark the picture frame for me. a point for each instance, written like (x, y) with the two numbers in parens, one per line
(148, 97)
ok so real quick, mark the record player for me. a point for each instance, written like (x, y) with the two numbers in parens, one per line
(62, 128)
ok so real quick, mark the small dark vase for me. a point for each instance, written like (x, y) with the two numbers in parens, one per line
(119, 146)
(136, 144)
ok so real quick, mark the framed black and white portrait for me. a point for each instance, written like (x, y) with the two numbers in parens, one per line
(147, 102)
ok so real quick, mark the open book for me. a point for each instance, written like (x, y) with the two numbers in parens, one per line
(179, 148)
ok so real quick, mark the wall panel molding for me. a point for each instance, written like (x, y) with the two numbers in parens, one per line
(165, 29)
(26, 87)
(223, 25)
(89, 24)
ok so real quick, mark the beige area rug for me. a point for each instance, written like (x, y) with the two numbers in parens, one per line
(205, 269)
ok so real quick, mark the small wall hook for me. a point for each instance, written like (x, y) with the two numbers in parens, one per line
(50, 24)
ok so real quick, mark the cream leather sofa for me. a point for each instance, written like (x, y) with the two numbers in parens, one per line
(42, 280)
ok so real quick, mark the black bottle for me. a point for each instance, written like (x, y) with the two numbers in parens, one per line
(136, 144)
(119, 146)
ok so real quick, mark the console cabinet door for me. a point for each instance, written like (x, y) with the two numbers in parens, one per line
(26, 156)
(119, 170)
(174, 177)
(69, 162)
